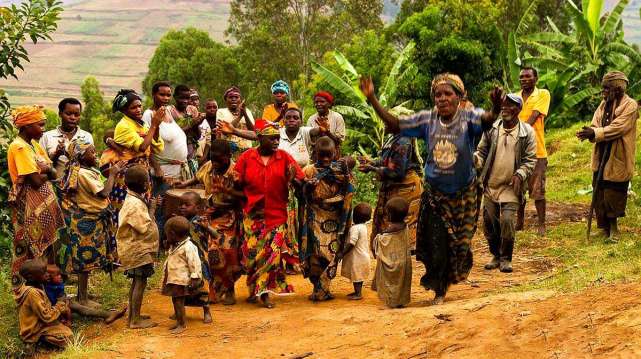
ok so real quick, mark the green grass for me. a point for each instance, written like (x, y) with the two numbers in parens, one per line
(111, 293)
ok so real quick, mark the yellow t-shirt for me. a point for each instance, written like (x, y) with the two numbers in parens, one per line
(89, 184)
(22, 158)
(539, 100)
(271, 114)
(130, 134)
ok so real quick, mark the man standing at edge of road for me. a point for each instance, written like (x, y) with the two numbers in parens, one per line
(536, 103)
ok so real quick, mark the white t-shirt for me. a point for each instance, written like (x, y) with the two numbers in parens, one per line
(356, 263)
(336, 123)
(49, 142)
(225, 115)
(175, 144)
(300, 147)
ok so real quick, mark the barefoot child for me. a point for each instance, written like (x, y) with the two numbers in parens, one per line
(328, 195)
(91, 227)
(355, 254)
(183, 277)
(201, 234)
(138, 241)
(55, 290)
(393, 279)
(39, 321)
(224, 216)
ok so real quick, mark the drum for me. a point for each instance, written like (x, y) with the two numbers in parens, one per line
(171, 201)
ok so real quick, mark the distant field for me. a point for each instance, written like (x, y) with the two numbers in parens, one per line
(110, 40)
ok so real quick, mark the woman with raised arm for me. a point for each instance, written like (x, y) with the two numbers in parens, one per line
(451, 195)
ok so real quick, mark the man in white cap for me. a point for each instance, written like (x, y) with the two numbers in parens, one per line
(507, 153)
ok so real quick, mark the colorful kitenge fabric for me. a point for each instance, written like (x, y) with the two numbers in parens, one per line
(36, 219)
(447, 225)
(201, 238)
(91, 241)
(224, 252)
(264, 250)
(400, 178)
(327, 219)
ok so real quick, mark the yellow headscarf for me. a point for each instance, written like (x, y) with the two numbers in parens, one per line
(27, 115)
(448, 79)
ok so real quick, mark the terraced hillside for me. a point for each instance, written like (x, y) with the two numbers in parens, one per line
(111, 40)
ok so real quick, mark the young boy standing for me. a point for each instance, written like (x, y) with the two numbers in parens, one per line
(182, 273)
(138, 241)
(507, 153)
(328, 195)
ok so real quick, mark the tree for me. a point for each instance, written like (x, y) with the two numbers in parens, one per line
(456, 37)
(96, 112)
(279, 40)
(191, 57)
(365, 129)
(572, 65)
(32, 20)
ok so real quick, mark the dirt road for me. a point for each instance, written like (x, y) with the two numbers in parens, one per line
(474, 322)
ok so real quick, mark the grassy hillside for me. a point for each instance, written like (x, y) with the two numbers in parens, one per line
(111, 40)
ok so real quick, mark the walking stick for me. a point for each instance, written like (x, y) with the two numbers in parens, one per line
(599, 175)
(597, 181)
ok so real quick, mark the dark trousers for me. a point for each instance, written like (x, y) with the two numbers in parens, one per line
(498, 227)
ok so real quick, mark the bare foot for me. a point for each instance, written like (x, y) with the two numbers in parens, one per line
(230, 299)
(354, 296)
(207, 318)
(173, 316)
(142, 324)
(541, 231)
(178, 329)
(115, 315)
(438, 300)
(145, 316)
(267, 303)
(252, 299)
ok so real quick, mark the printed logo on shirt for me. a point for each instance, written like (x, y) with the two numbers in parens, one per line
(445, 154)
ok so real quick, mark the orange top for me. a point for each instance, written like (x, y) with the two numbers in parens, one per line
(23, 158)
(271, 114)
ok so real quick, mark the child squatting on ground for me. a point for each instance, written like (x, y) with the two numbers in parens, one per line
(55, 290)
(393, 279)
(355, 254)
(183, 277)
(138, 241)
(39, 320)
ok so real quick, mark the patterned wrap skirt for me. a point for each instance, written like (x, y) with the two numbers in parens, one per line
(446, 227)
(90, 241)
(264, 251)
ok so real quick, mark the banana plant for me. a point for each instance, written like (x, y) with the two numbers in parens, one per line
(371, 129)
(571, 65)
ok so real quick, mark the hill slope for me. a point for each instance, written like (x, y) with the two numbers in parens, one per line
(111, 40)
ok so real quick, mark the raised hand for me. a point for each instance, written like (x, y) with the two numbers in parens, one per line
(225, 127)
(158, 117)
(586, 133)
(117, 167)
(496, 96)
(367, 86)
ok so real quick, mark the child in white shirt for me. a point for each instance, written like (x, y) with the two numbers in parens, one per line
(355, 254)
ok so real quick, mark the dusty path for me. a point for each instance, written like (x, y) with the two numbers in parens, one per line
(474, 322)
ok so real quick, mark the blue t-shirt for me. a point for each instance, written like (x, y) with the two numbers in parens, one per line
(449, 165)
(54, 291)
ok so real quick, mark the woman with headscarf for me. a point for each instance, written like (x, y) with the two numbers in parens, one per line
(138, 140)
(92, 230)
(331, 123)
(275, 112)
(239, 116)
(264, 174)
(451, 194)
(399, 170)
(36, 215)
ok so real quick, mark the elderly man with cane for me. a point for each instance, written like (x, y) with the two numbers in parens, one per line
(613, 131)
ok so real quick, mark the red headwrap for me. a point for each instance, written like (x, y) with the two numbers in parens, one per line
(326, 95)
(265, 128)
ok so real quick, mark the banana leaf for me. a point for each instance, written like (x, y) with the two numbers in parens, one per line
(338, 84)
(615, 16)
(389, 89)
(571, 101)
(345, 65)
(351, 112)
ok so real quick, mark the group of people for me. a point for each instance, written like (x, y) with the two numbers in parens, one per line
(285, 204)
